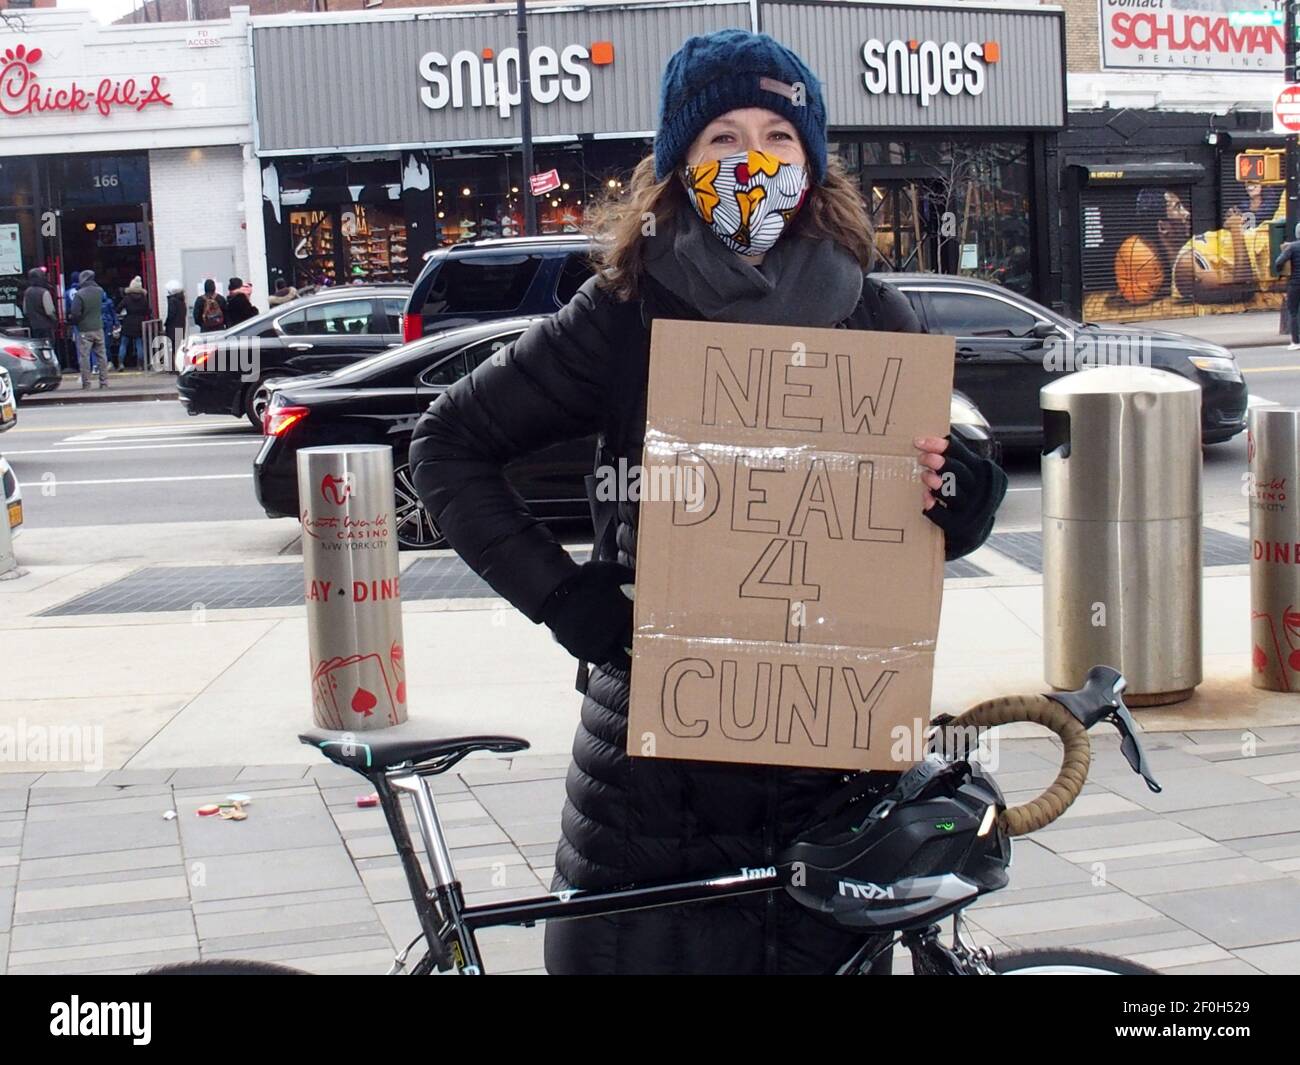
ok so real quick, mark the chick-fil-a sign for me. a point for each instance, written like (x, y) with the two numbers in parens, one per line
(21, 92)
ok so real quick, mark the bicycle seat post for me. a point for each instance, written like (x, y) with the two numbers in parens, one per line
(445, 886)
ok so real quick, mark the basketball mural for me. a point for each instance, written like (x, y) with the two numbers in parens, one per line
(1142, 257)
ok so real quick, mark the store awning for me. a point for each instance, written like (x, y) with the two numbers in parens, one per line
(1146, 173)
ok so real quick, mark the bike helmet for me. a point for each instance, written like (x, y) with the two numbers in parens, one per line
(925, 849)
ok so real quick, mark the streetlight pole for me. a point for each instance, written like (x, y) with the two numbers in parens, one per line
(1292, 156)
(526, 120)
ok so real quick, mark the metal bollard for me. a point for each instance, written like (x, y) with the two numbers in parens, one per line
(1122, 530)
(1273, 437)
(350, 567)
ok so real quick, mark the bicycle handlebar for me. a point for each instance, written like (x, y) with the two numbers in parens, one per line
(1040, 710)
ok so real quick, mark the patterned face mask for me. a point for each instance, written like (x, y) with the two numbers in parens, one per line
(747, 199)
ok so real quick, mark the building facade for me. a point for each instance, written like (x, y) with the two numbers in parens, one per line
(127, 150)
(1166, 103)
(942, 113)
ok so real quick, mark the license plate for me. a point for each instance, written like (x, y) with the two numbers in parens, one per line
(7, 412)
(15, 515)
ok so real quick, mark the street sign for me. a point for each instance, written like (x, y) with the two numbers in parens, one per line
(540, 184)
(1286, 110)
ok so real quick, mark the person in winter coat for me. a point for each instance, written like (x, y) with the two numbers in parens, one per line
(729, 98)
(38, 305)
(1290, 256)
(239, 308)
(284, 292)
(174, 323)
(134, 308)
(210, 309)
(86, 314)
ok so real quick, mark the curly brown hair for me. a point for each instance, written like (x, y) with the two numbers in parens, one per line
(620, 224)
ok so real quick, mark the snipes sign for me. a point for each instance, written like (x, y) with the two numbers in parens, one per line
(925, 69)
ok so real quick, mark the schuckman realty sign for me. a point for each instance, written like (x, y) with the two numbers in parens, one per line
(1192, 35)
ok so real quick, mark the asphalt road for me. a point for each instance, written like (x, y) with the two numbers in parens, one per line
(142, 463)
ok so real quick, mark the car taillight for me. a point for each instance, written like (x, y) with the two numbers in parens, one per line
(279, 421)
(200, 357)
(412, 327)
(17, 352)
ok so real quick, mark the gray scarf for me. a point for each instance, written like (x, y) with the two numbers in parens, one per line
(801, 281)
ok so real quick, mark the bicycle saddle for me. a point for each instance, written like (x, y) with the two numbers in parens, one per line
(383, 749)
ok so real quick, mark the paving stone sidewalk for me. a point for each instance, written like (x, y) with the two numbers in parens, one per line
(1201, 878)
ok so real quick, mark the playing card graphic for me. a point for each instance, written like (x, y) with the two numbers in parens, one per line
(355, 692)
(1275, 650)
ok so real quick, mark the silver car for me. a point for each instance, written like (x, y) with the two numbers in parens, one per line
(8, 405)
(13, 496)
(31, 363)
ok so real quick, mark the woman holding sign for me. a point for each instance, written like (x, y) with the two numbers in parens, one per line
(738, 216)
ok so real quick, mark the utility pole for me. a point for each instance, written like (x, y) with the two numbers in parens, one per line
(526, 120)
(1292, 142)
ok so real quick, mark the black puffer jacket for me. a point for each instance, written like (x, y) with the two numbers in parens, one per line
(626, 820)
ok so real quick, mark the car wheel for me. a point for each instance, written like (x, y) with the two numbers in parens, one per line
(416, 530)
(255, 401)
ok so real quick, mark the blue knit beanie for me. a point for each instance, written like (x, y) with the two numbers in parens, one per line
(711, 75)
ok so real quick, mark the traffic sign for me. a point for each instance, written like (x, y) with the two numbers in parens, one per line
(1286, 110)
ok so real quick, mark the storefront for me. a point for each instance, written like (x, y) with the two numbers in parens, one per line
(942, 114)
(945, 115)
(1163, 223)
(419, 148)
(126, 150)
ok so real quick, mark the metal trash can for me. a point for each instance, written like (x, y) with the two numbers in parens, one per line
(1273, 451)
(351, 585)
(1121, 472)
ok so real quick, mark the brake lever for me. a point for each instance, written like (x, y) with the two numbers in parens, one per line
(1101, 699)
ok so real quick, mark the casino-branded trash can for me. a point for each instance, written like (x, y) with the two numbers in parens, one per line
(351, 586)
(1121, 472)
(1272, 443)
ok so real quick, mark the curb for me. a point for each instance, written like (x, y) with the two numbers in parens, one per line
(69, 393)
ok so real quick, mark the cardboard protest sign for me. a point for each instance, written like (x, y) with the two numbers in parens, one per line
(788, 583)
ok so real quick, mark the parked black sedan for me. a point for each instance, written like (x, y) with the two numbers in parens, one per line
(1009, 347)
(379, 400)
(225, 372)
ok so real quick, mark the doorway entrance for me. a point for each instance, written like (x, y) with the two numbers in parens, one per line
(906, 216)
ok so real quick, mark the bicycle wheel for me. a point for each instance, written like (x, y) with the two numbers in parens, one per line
(1065, 961)
(224, 967)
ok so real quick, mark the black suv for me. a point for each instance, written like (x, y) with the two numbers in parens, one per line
(226, 372)
(503, 278)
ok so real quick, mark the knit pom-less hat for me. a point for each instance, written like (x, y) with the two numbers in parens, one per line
(711, 75)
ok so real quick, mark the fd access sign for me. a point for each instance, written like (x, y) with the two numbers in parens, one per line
(1286, 110)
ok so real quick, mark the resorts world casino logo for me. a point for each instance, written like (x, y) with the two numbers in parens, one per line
(489, 78)
(925, 69)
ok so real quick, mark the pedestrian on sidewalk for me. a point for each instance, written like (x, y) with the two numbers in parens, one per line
(174, 324)
(38, 305)
(1290, 256)
(738, 109)
(239, 308)
(87, 315)
(284, 292)
(210, 309)
(134, 309)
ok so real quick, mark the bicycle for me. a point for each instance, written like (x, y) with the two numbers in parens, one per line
(879, 824)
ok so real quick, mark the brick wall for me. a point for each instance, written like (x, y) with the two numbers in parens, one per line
(195, 194)
(1082, 26)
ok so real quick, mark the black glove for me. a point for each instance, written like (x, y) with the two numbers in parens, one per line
(966, 504)
(591, 616)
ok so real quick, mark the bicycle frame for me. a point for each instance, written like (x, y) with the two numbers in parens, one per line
(448, 926)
